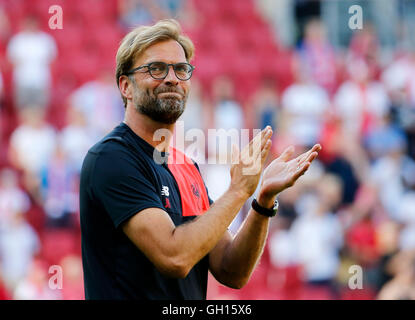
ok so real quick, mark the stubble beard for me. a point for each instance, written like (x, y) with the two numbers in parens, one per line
(166, 110)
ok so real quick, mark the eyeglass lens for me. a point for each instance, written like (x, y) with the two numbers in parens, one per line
(159, 70)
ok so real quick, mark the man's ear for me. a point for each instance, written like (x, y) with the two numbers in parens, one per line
(125, 86)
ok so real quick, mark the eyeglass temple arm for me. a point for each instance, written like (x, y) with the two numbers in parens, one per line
(135, 69)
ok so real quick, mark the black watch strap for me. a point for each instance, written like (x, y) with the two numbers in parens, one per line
(265, 211)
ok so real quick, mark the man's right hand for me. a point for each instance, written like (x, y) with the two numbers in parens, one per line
(247, 165)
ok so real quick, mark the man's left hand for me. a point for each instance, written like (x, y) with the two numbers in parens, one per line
(282, 173)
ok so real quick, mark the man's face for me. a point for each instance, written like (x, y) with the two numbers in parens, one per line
(161, 100)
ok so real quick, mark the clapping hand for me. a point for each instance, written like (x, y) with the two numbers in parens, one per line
(283, 172)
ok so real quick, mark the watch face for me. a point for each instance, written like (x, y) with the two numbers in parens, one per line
(276, 205)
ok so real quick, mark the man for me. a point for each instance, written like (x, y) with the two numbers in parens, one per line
(149, 230)
(31, 52)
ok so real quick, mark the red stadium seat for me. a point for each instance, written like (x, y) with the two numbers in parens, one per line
(207, 68)
(316, 293)
(95, 11)
(103, 38)
(16, 11)
(256, 288)
(245, 71)
(69, 40)
(209, 9)
(256, 38)
(358, 294)
(58, 243)
(242, 10)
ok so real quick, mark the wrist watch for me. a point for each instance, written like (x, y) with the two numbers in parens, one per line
(265, 211)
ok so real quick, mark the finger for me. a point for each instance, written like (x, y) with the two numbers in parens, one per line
(246, 149)
(311, 157)
(265, 152)
(267, 136)
(304, 157)
(299, 172)
(257, 143)
(235, 154)
(295, 165)
(261, 135)
(259, 161)
(286, 155)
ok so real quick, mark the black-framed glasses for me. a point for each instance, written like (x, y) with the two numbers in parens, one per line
(159, 70)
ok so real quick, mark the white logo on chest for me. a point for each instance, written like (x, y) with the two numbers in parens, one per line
(165, 191)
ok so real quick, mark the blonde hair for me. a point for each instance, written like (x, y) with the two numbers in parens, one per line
(139, 39)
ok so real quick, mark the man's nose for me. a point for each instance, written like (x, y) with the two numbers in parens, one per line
(171, 78)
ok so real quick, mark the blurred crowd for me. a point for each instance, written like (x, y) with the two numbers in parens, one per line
(355, 206)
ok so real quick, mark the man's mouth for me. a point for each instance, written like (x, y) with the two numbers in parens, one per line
(170, 94)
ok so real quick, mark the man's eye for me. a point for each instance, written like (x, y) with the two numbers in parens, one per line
(182, 68)
(157, 67)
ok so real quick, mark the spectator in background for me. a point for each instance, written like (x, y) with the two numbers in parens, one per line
(344, 157)
(18, 240)
(13, 200)
(31, 52)
(384, 137)
(397, 77)
(388, 246)
(411, 81)
(227, 117)
(361, 222)
(284, 254)
(145, 12)
(402, 286)
(4, 293)
(213, 173)
(137, 12)
(304, 107)
(73, 288)
(195, 116)
(362, 100)
(227, 114)
(265, 105)
(407, 216)
(173, 7)
(32, 143)
(1, 89)
(35, 286)
(364, 46)
(318, 232)
(100, 102)
(393, 173)
(399, 80)
(318, 56)
(1, 116)
(59, 189)
(5, 30)
(76, 138)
